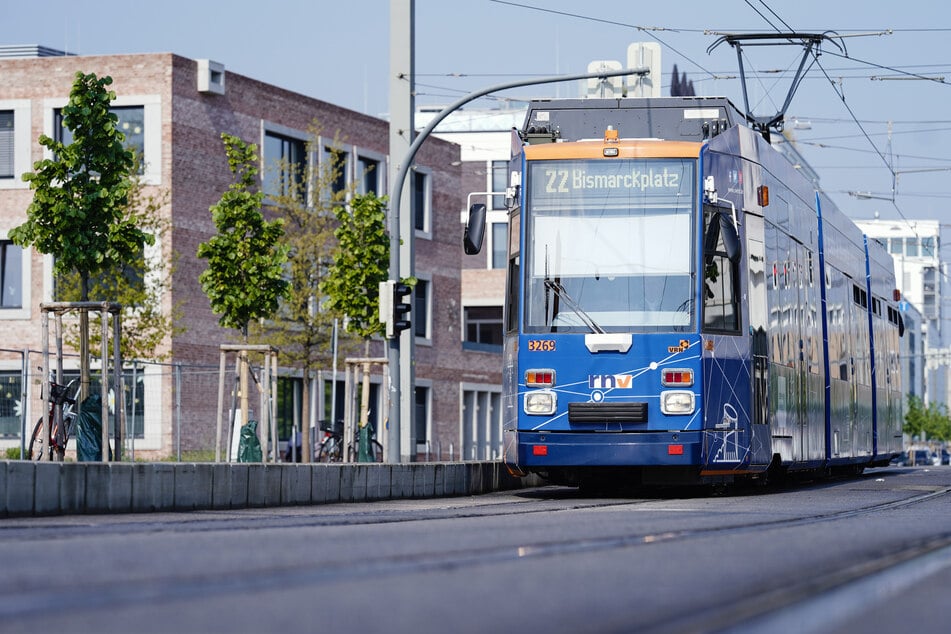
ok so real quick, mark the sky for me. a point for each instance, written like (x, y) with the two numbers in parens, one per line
(891, 70)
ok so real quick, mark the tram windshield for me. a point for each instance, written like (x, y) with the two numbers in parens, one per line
(608, 246)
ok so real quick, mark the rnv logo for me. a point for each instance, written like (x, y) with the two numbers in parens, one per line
(609, 381)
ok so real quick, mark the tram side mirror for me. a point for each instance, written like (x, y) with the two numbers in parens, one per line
(475, 230)
(731, 240)
(722, 230)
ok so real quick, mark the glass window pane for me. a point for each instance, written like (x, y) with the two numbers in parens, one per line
(131, 123)
(484, 325)
(369, 173)
(499, 240)
(6, 144)
(640, 279)
(284, 166)
(11, 275)
(420, 194)
(422, 413)
(420, 314)
(499, 182)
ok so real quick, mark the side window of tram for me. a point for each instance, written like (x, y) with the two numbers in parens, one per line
(720, 305)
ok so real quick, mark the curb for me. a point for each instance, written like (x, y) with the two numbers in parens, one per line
(47, 488)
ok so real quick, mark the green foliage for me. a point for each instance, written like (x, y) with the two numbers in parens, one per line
(138, 285)
(80, 196)
(12, 453)
(931, 418)
(300, 328)
(360, 263)
(245, 276)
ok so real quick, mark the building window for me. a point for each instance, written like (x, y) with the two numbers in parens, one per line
(481, 423)
(483, 325)
(11, 275)
(499, 240)
(499, 182)
(285, 162)
(927, 247)
(369, 173)
(131, 124)
(337, 165)
(422, 414)
(420, 315)
(911, 247)
(289, 406)
(11, 389)
(929, 285)
(6, 144)
(421, 200)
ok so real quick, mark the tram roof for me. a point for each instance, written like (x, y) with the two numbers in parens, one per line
(669, 118)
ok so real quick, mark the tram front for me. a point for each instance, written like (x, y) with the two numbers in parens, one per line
(602, 354)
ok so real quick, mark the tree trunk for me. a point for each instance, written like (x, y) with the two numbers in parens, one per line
(306, 443)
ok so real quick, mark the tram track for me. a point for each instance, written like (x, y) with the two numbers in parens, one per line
(24, 601)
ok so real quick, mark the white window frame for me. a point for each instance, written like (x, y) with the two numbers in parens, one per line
(426, 233)
(495, 421)
(291, 133)
(428, 384)
(152, 379)
(428, 339)
(478, 303)
(323, 143)
(21, 142)
(381, 175)
(151, 135)
(492, 218)
(26, 287)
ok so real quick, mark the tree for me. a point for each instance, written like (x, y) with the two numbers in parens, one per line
(244, 280)
(245, 275)
(360, 263)
(80, 198)
(139, 285)
(931, 419)
(81, 195)
(302, 328)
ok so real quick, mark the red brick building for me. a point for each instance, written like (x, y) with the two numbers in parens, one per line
(173, 110)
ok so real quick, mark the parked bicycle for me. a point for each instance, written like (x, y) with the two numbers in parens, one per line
(59, 428)
(332, 449)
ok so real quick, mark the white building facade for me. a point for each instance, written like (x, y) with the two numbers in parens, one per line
(920, 250)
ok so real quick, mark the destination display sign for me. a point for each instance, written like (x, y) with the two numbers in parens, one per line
(611, 177)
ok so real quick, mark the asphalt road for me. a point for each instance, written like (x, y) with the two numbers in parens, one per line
(869, 553)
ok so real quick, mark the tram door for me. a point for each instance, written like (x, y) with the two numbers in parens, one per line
(795, 303)
(762, 449)
(789, 384)
(799, 333)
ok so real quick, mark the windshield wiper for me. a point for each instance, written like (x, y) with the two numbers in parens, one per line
(559, 290)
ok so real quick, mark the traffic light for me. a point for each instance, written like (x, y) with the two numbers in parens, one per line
(401, 309)
(393, 310)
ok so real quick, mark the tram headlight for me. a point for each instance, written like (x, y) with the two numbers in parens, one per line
(677, 402)
(540, 403)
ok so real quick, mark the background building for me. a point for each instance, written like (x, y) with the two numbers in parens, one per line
(173, 110)
(920, 251)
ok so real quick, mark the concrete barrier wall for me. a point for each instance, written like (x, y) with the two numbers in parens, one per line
(49, 488)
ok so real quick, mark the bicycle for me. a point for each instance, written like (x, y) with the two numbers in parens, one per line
(331, 447)
(62, 398)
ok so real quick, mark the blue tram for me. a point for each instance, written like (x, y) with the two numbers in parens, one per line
(683, 306)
